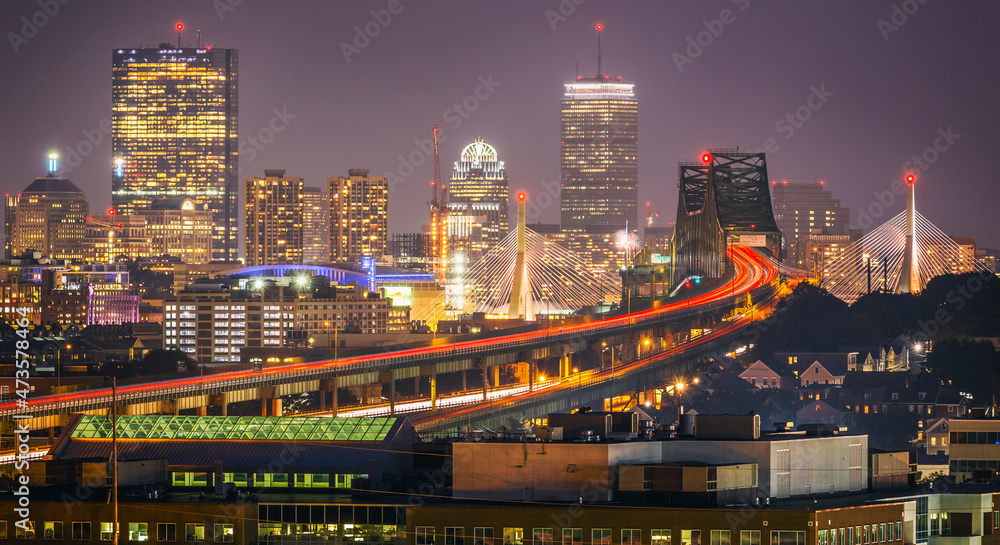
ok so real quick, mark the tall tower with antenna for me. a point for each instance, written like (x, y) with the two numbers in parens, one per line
(438, 221)
(909, 278)
(599, 150)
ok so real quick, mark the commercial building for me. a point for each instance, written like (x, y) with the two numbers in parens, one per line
(110, 236)
(48, 217)
(315, 226)
(599, 153)
(214, 321)
(174, 121)
(273, 224)
(802, 210)
(179, 228)
(952, 255)
(974, 445)
(788, 463)
(412, 250)
(359, 220)
(478, 197)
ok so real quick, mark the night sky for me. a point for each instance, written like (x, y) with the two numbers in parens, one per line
(889, 90)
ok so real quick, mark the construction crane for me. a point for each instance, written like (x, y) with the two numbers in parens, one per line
(113, 229)
(650, 215)
(438, 223)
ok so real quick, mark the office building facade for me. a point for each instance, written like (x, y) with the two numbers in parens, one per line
(478, 196)
(599, 151)
(802, 210)
(174, 133)
(48, 217)
(315, 226)
(274, 209)
(359, 220)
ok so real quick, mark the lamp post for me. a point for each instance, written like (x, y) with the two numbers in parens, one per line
(59, 364)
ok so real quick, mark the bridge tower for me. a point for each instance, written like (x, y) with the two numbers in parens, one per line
(520, 292)
(909, 280)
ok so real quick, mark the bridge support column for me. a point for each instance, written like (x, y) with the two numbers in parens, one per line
(276, 407)
(496, 376)
(263, 406)
(203, 411)
(532, 371)
(431, 372)
(390, 377)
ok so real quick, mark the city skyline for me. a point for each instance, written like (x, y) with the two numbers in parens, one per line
(881, 98)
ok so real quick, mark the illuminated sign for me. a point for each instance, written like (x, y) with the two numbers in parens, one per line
(402, 296)
(757, 241)
(659, 259)
(187, 205)
(368, 266)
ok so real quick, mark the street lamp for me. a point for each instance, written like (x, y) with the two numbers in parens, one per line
(59, 364)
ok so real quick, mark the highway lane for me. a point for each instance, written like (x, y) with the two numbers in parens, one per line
(751, 270)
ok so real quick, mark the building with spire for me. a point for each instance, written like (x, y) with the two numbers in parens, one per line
(599, 151)
(48, 217)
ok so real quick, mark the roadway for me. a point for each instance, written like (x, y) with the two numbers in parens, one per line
(752, 270)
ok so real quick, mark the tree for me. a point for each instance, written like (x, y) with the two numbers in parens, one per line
(971, 366)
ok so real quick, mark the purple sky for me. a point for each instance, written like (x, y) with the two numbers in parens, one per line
(889, 96)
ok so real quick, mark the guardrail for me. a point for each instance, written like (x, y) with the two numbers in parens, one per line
(242, 380)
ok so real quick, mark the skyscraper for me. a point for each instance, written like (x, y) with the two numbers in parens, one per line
(599, 152)
(359, 207)
(273, 219)
(315, 226)
(174, 133)
(805, 209)
(49, 217)
(478, 197)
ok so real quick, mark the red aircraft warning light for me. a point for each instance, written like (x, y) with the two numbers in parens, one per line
(520, 196)
(111, 211)
(180, 27)
(910, 178)
(706, 158)
(600, 27)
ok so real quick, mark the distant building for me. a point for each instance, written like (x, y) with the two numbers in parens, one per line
(658, 239)
(973, 445)
(315, 226)
(48, 217)
(479, 197)
(265, 316)
(174, 123)
(412, 250)
(359, 208)
(802, 210)
(599, 154)
(273, 219)
(179, 228)
(950, 255)
(108, 237)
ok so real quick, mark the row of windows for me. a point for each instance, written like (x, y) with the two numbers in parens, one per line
(861, 535)
(137, 531)
(485, 535)
(975, 438)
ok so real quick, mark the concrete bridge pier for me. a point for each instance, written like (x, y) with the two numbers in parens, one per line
(431, 372)
(326, 386)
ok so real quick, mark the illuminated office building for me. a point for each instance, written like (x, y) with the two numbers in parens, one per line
(315, 226)
(179, 228)
(47, 217)
(273, 219)
(359, 206)
(174, 133)
(478, 196)
(804, 210)
(108, 237)
(599, 153)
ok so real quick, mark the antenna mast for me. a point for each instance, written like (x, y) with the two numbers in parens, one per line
(600, 27)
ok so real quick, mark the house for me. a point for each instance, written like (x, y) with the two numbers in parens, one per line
(727, 381)
(818, 374)
(821, 412)
(935, 436)
(763, 375)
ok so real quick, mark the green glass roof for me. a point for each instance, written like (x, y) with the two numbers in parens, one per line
(255, 428)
